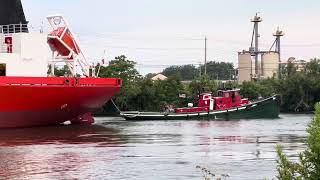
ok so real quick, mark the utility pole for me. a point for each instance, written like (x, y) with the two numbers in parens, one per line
(205, 56)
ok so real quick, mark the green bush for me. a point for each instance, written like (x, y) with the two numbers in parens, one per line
(308, 166)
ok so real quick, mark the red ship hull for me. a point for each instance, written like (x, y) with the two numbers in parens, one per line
(29, 102)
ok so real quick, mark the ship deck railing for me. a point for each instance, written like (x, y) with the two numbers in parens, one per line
(14, 28)
(9, 29)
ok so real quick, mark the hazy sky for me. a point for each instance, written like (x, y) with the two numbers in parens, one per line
(158, 33)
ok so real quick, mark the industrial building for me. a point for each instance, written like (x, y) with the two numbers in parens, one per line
(255, 64)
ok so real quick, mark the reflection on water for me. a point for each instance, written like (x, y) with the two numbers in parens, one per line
(56, 135)
(116, 149)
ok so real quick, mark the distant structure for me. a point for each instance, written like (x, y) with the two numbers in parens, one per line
(269, 65)
(159, 77)
(255, 64)
(299, 64)
(245, 67)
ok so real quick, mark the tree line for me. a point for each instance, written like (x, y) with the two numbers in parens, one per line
(215, 70)
(140, 93)
(298, 89)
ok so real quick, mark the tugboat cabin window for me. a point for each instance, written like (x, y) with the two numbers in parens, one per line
(233, 96)
(236, 93)
(2, 69)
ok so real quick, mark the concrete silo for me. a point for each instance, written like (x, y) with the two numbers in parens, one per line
(270, 64)
(264, 64)
(245, 67)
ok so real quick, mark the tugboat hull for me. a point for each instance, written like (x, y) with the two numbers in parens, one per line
(268, 108)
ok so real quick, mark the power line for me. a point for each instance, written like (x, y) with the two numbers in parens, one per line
(178, 38)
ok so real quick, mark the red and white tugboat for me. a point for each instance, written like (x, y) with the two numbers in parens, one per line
(228, 105)
(29, 96)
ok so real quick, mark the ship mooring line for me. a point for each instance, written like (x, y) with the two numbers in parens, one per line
(115, 106)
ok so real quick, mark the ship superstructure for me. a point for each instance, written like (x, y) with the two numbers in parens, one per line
(29, 95)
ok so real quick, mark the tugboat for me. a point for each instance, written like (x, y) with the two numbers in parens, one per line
(29, 95)
(228, 105)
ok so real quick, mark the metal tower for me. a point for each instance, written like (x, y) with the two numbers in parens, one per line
(255, 39)
(259, 69)
(278, 34)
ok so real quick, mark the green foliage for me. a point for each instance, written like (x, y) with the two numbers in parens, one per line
(286, 169)
(147, 99)
(202, 84)
(168, 91)
(308, 166)
(313, 67)
(185, 72)
(312, 154)
(60, 71)
(295, 93)
(220, 70)
(215, 70)
(254, 90)
(156, 94)
(123, 68)
(138, 93)
(289, 70)
(299, 90)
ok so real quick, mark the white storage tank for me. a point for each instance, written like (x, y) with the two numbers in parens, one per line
(270, 64)
(245, 67)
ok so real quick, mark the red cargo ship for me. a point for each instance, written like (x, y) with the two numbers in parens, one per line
(29, 96)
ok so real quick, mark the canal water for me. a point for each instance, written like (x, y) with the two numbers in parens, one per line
(116, 149)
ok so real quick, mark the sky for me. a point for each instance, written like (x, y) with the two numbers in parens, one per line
(160, 33)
